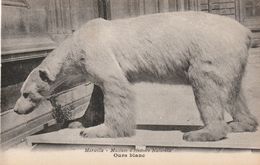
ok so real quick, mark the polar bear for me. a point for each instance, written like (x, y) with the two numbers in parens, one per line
(208, 52)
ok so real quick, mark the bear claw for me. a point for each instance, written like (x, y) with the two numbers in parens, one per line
(85, 133)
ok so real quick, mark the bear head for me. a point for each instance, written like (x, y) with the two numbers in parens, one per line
(34, 90)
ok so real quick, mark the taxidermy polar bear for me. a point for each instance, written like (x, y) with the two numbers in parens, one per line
(208, 52)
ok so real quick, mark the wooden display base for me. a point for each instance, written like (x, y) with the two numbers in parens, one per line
(146, 138)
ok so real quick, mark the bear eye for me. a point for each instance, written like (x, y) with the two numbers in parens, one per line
(25, 95)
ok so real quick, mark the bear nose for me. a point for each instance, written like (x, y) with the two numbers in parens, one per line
(16, 110)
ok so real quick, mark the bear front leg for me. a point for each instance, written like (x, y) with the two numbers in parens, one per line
(119, 119)
(211, 99)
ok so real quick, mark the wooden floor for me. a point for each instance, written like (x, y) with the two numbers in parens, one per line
(172, 105)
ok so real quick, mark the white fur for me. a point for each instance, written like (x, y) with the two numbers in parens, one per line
(207, 51)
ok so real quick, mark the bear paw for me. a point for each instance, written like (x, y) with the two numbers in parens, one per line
(242, 127)
(203, 135)
(100, 131)
(75, 124)
(243, 123)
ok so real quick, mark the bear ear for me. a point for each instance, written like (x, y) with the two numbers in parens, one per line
(46, 76)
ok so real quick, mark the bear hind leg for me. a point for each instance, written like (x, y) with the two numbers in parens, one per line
(243, 120)
(212, 116)
(211, 101)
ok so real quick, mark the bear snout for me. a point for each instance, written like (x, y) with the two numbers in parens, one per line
(23, 106)
(16, 110)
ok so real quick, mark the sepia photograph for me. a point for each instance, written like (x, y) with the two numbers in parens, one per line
(129, 78)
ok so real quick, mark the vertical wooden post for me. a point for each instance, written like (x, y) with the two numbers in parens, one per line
(134, 7)
(237, 11)
(180, 5)
(104, 9)
(209, 6)
(142, 7)
(198, 5)
(163, 5)
(242, 11)
(59, 17)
